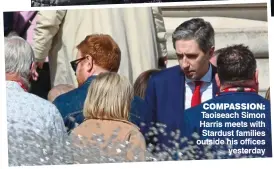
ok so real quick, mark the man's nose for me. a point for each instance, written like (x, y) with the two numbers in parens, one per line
(185, 62)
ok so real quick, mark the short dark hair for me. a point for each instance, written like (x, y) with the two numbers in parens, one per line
(140, 85)
(197, 29)
(236, 63)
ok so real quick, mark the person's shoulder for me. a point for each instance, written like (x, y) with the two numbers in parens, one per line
(44, 104)
(167, 73)
(65, 97)
(243, 97)
(137, 99)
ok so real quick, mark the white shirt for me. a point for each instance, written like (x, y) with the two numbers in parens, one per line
(206, 88)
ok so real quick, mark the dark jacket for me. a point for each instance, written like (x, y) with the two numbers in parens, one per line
(165, 97)
(8, 22)
(71, 106)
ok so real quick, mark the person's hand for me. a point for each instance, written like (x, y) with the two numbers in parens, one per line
(39, 64)
(34, 73)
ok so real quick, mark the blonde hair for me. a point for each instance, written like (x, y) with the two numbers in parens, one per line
(59, 90)
(109, 97)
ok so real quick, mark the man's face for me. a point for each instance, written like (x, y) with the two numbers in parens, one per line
(193, 61)
(82, 71)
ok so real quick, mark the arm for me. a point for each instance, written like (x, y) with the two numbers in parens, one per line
(59, 137)
(47, 26)
(150, 116)
(160, 32)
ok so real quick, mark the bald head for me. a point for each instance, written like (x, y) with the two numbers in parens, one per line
(59, 90)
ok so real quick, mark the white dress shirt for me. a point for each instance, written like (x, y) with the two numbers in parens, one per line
(206, 88)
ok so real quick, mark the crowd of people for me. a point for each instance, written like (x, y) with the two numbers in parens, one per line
(109, 98)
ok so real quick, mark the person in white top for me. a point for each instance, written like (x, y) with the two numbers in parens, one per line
(36, 131)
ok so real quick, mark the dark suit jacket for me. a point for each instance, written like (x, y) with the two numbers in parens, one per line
(8, 22)
(166, 102)
(193, 116)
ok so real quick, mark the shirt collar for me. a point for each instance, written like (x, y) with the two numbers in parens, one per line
(206, 78)
(13, 86)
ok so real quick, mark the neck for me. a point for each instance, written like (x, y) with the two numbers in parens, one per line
(246, 84)
(99, 70)
(12, 77)
(16, 78)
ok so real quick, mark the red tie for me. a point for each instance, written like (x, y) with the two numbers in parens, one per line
(196, 97)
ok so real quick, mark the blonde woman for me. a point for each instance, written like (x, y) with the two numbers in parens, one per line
(106, 110)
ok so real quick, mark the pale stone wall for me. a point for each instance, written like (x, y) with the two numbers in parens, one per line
(233, 24)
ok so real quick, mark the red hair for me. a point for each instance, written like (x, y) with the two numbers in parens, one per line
(103, 49)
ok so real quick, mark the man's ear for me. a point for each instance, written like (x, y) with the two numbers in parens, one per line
(90, 62)
(211, 52)
(256, 76)
(218, 82)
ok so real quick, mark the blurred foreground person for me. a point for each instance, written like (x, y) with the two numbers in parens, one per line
(36, 132)
(139, 32)
(106, 112)
(238, 81)
(59, 90)
(96, 54)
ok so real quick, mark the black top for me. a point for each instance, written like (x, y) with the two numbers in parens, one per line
(8, 22)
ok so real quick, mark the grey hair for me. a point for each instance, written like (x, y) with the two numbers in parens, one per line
(18, 57)
(197, 29)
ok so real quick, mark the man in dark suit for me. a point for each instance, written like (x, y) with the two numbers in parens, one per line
(246, 119)
(175, 89)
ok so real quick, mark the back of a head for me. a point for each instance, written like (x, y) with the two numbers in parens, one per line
(213, 59)
(197, 29)
(59, 90)
(18, 57)
(140, 84)
(236, 63)
(103, 49)
(109, 97)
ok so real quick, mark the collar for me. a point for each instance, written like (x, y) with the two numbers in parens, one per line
(14, 85)
(237, 90)
(114, 120)
(206, 78)
(88, 81)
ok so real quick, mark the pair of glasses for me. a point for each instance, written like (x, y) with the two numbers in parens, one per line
(75, 63)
